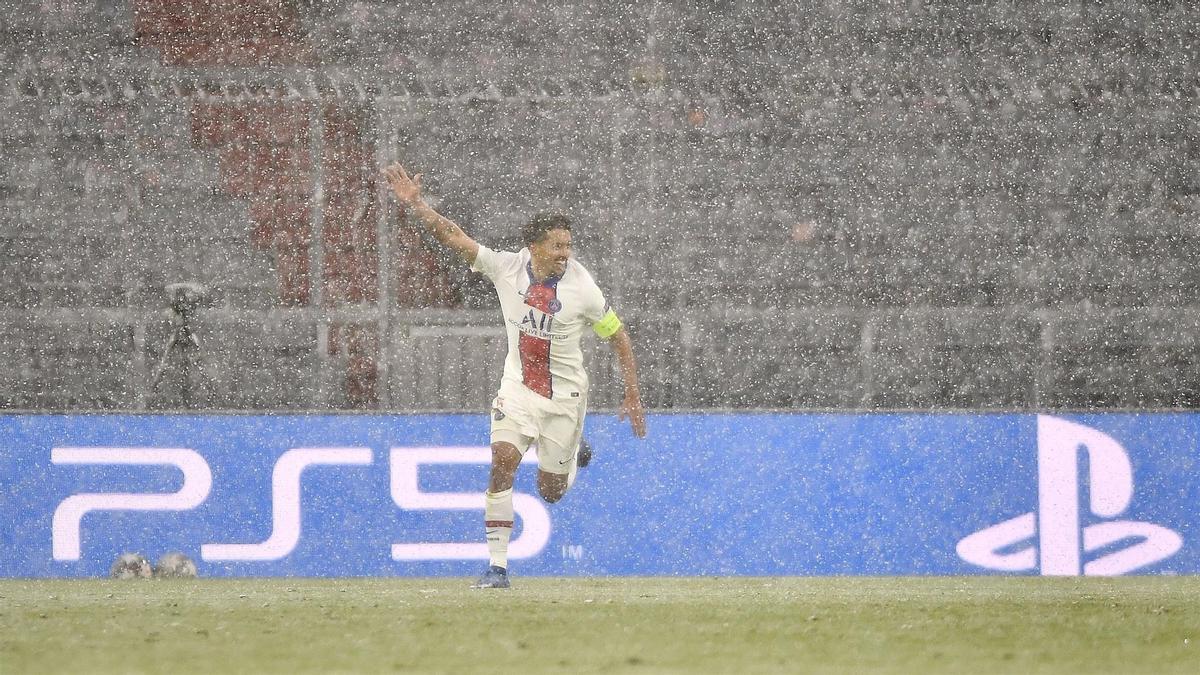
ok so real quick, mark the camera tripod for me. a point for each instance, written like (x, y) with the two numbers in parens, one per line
(184, 345)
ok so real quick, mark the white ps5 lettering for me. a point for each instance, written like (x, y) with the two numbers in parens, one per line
(68, 517)
(286, 511)
(1062, 540)
(407, 494)
(285, 503)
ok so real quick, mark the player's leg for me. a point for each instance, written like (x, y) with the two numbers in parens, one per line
(558, 454)
(506, 458)
(552, 486)
(498, 503)
(498, 513)
(509, 443)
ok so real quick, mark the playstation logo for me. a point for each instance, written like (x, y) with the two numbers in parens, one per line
(1054, 537)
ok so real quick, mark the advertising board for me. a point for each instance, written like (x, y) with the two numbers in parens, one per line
(704, 494)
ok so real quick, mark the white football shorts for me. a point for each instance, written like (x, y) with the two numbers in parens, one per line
(523, 419)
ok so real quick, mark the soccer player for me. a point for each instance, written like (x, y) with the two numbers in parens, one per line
(548, 299)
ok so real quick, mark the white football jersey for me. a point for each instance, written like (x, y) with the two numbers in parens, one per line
(545, 322)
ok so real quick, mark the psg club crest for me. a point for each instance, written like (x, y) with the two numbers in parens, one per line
(553, 306)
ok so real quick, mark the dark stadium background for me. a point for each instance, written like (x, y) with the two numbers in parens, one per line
(797, 205)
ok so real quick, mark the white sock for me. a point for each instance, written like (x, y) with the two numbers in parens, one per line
(498, 525)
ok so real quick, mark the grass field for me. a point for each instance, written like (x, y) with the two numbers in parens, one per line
(727, 625)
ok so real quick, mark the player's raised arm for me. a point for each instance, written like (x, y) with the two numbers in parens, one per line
(408, 193)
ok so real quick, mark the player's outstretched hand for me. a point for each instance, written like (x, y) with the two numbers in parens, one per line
(408, 190)
(632, 408)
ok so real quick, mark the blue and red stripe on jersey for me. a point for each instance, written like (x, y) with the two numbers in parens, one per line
(535, 351)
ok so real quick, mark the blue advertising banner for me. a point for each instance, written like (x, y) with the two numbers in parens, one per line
(704, 494)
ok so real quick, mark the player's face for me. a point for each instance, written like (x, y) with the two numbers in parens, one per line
(552, 251)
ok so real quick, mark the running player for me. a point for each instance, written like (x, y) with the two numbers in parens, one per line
(548, 300)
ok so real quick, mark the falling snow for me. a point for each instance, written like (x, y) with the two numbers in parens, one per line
(797, 205)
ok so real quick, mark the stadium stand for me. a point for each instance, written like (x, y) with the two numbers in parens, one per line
(798, 205)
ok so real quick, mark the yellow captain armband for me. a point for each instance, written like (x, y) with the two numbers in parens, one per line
(607, 326)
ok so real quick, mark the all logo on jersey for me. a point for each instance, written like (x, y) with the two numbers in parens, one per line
(544, 324)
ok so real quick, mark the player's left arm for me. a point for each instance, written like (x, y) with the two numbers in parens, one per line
(631, 406)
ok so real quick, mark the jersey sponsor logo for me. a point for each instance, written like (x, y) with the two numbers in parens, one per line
(537, 325)
(1056, 536)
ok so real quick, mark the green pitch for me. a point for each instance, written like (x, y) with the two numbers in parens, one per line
(729, 625)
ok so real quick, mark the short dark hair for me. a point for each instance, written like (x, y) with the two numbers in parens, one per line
(533, 231)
